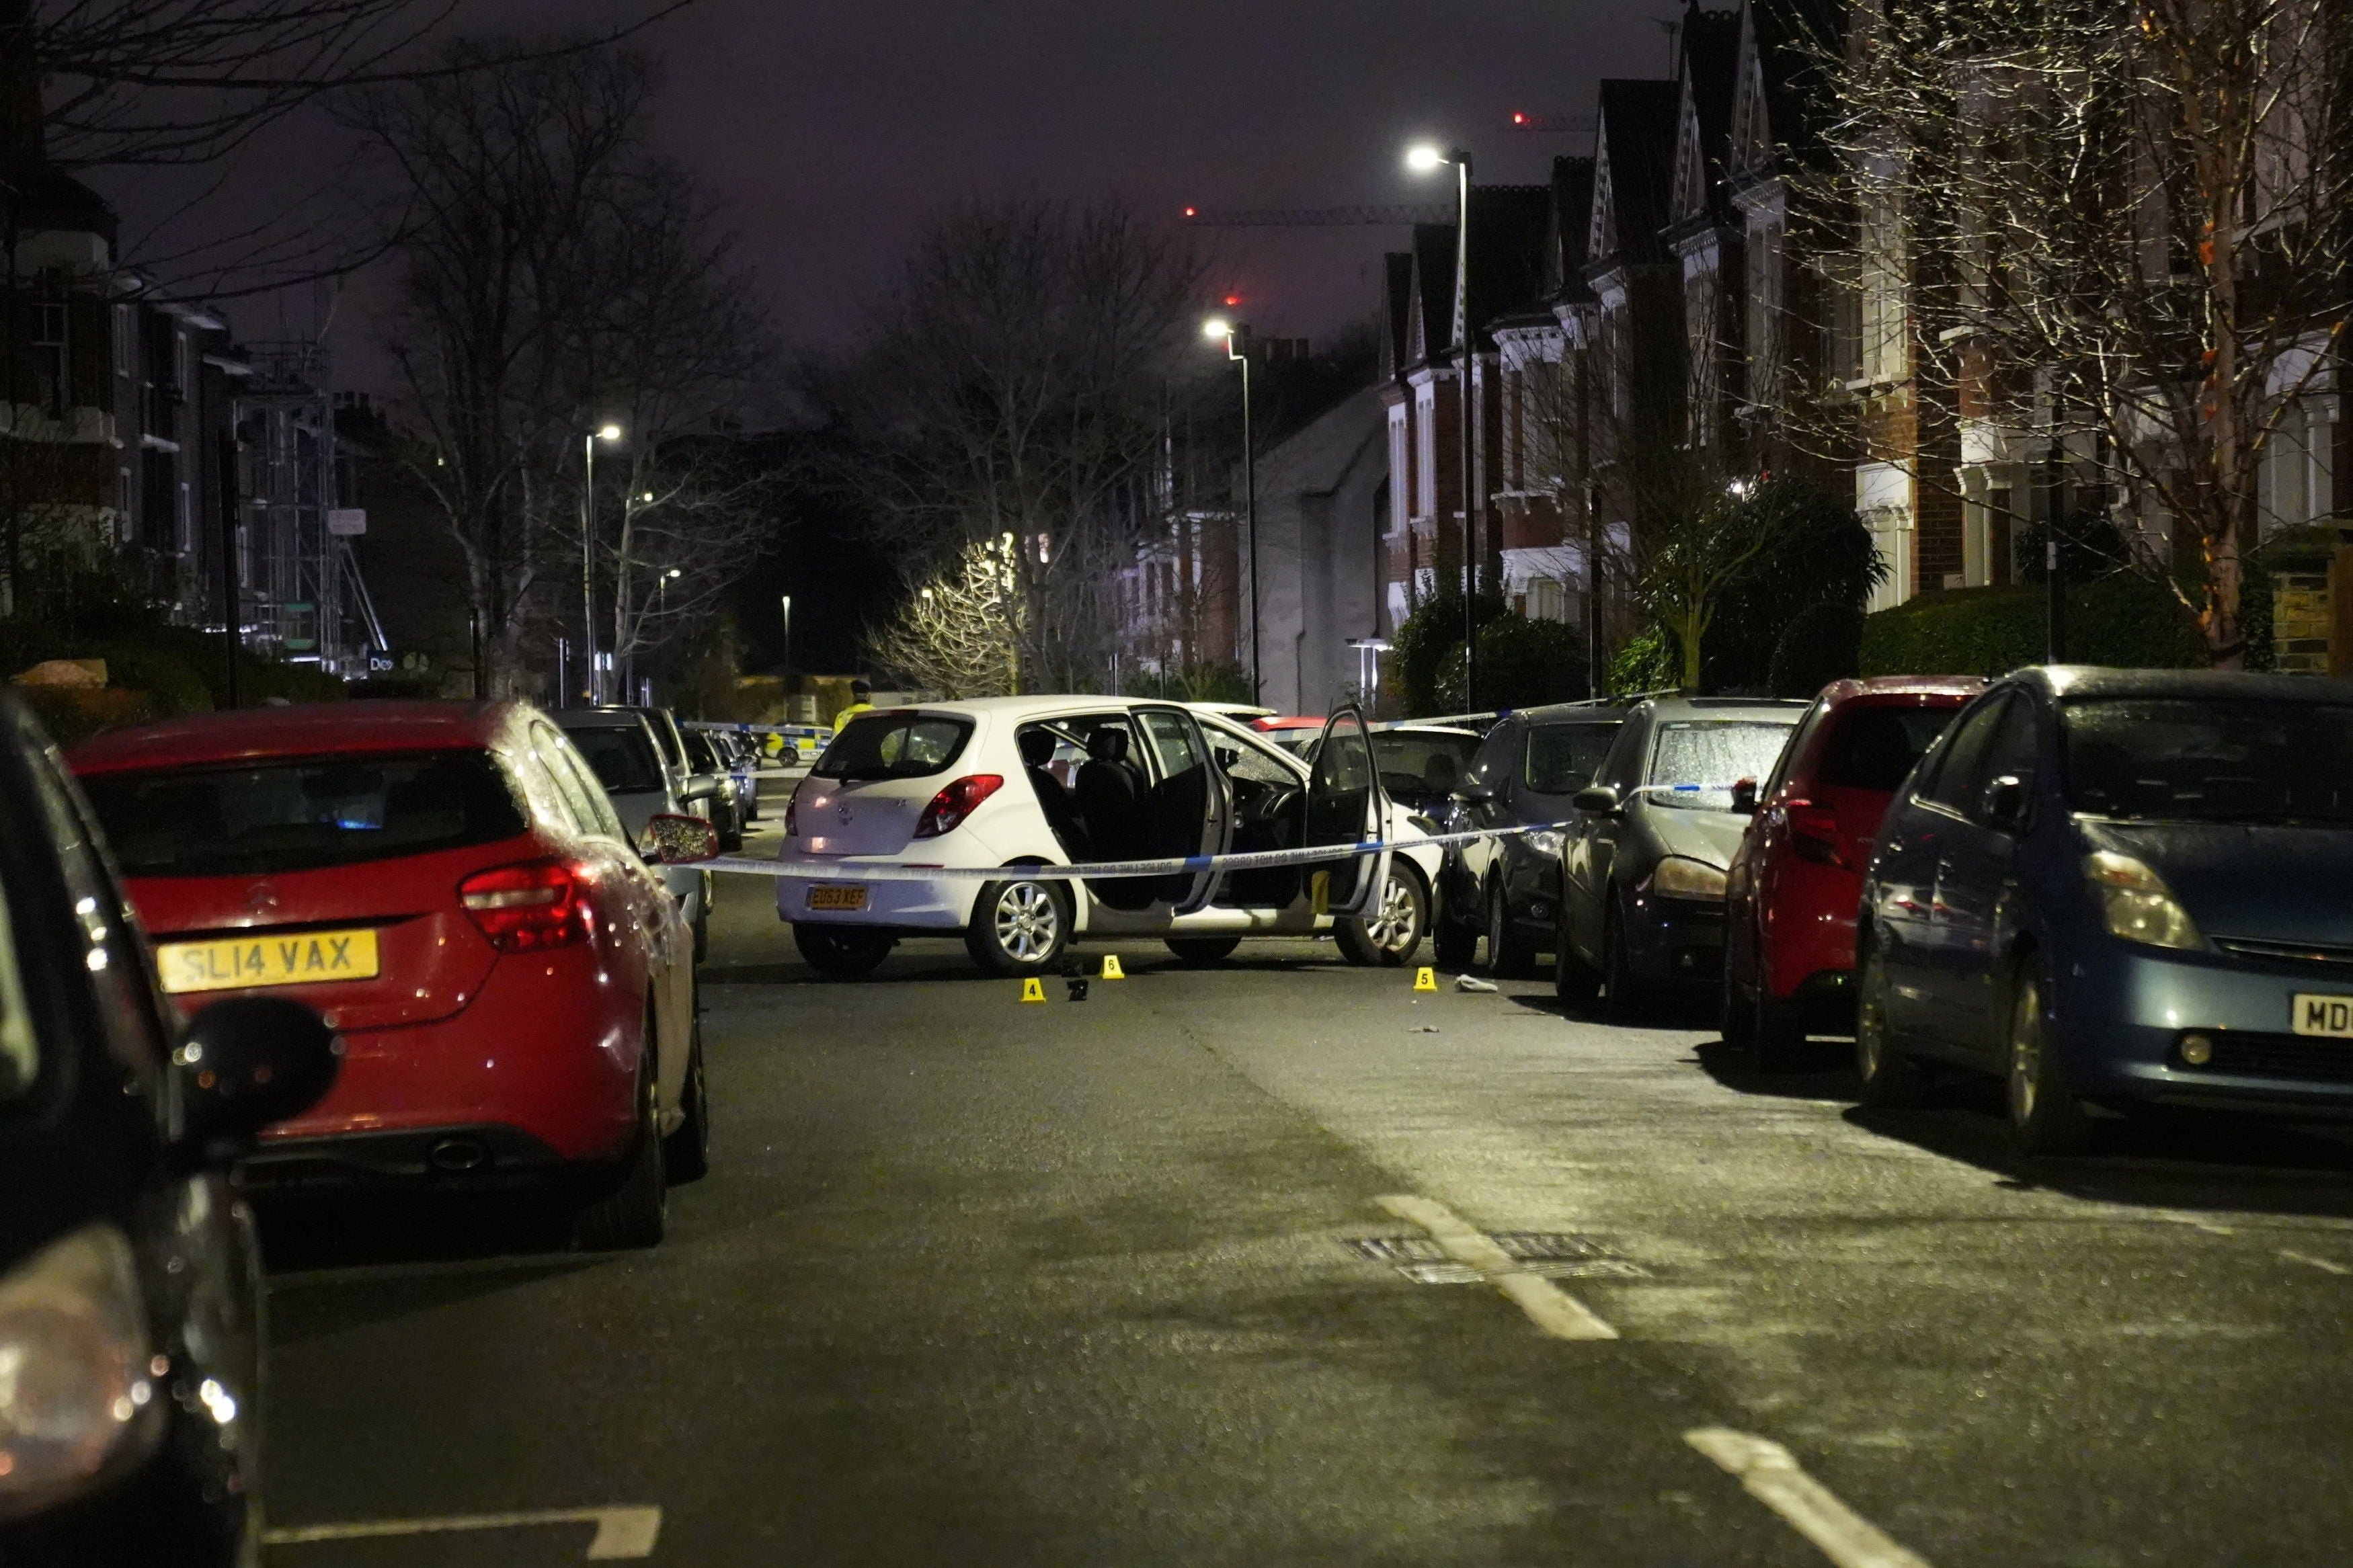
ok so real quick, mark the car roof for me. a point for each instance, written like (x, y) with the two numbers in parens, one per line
(1776, 708)
(2067, 680)
(1408, 727)
(1602, 712)
(599, 717)
(1842, 692)
(304, 729)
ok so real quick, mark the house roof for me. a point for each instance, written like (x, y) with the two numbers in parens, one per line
(1780, 44)
(1710, 57)
(1634, 172)
(1396, 312)
(1571, 229)
(1508, 228)
(1431, 322)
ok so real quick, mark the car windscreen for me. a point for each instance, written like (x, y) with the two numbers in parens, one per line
(623, 759)
(2198, 760)
(1563, 758)
(1413, 762)
(893, 746)
(303, 814)
(1875, 748)
(1695, 763)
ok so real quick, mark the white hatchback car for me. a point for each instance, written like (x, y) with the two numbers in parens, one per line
(1006, 781)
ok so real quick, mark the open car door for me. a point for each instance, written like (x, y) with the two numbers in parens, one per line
(1346, 804)
(1191, 804)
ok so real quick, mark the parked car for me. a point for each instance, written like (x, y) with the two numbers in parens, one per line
(449, 886)
(1507, 890)
(704, 761)
(1066, 780)
(1421, 764)
(2121, 889)
(1294, 732)
(1642, 877)
(622, 748)
(1792, 892)
(132, 1384)
(741, 759)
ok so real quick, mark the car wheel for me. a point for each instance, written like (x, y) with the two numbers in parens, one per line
(1737, 1015)
(1203, 948)
(1777, 1032)
(1454, 941)
(1892, 1079)
(686, 1153)
(1510, 955)
(2044, 1112)
(1018, 928)
(1576, 983)
(843, 953)
(1391, 935)
(634, 1213)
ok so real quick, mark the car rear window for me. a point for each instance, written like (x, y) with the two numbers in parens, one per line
(1875, 748)
(622, 759)
(1419, 762)
(2194, 760)
(1563, 758)
(303, 814)
(893, 746)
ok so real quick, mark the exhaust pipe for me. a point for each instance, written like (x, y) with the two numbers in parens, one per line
(459, 1155)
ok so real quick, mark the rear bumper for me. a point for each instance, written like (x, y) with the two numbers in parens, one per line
(489, 1156)
(1808, 925)
(945, 905)
(547, 1051)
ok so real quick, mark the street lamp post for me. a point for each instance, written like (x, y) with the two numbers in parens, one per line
(605, 432)
(1240, 356)
(1423, 159)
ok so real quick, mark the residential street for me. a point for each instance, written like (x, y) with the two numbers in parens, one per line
(978, 1282)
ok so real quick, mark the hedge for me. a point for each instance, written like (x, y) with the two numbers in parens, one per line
(2125, 622)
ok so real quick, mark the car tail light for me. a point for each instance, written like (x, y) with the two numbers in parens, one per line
(1814, 832)
(527, 908)
(959, 800)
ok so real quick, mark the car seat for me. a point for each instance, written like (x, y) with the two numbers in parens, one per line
(1053, 798)
(1110, 791)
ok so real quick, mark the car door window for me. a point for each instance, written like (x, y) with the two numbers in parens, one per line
(2010, 752)
(554, 756)
(1961, 767)
(1561, 759)
(116, 957)
(1256, 763)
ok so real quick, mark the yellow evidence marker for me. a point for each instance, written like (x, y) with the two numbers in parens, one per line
(1111, 969)
(1425, 979)
(1034, 989)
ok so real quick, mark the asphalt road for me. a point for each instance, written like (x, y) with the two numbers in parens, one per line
(979, 1282)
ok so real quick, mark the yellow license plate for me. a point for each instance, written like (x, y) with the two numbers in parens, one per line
(305, 958)
(2323, 1014)
(850, 898)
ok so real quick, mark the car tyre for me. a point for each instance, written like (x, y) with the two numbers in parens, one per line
(1738, 1016)
(843, 953)
(1622, 990)
(2044, 1113)
(1203, 948)
(633, 1214)
(1510, 955)
(1454, 941)
(1392, 934)
(1893, 1079)
(1018, 928)
(686, 1153)
(1777, 1032)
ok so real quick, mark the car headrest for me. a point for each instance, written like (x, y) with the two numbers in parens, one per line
(1037, 748)
(1108, 744)
(1441, 772)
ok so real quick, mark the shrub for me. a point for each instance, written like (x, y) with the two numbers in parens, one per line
(1648, 661)
(1822, 644)
(1430, 645)
(1522, 664)
(2124, 621)
(1821, 554)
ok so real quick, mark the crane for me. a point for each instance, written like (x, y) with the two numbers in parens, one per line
(1292, 217)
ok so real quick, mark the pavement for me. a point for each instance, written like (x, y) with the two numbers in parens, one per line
(1283, 1262)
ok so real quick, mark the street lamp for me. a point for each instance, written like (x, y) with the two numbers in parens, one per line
(1423, 159)
(1216, 327)
(608, 431)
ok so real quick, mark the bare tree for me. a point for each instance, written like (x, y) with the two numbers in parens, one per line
(1011, 384)
(960, 633)
(2111, 238)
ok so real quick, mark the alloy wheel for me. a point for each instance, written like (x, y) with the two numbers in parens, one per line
(1027, 923)
(2025, 1051)
(1392, 927)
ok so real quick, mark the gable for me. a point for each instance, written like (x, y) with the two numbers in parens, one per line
(1600, 232)
(1691, 163)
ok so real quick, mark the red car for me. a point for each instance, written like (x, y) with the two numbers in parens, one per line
(1792, 892)
(449, 886)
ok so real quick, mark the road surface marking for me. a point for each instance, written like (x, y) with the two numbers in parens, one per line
(1769, 1474)
(2174, 1216)
(2316, 1262)
(1549, 1307)
(622, 1532)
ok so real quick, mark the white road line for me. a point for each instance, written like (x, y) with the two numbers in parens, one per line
(2321, 1263)
(1771, 1476)
(622, 1532)
(1549, 1307)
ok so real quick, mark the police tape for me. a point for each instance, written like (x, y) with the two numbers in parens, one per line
(850, 870)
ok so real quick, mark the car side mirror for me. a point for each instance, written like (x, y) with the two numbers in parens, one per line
(1228, 757)
(2005, 804)
(1743, 796)
(674, 840)
(248, 1062)
(1600, 800)
(699, 786)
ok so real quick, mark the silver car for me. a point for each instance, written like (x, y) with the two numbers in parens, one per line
(620, 745)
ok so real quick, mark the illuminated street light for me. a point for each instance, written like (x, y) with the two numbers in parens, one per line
(1216, 327)
(1422, 159)
(608, 431)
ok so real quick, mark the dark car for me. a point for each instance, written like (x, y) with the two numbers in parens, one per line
(624, 748)
(1642, 877)
(1421, 764)
(131, 1344)
(1507, 889)
(1791, 893)
(703, 756)
(2120, 889)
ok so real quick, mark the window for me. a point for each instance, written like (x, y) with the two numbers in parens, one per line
(1547, 599)
(1695, 763)
(1960, 767)
(2189, 761)
(303, 814)
(126, 339)
(893, 746)
(52, 358)
(622, 757)
(1875, 747)
(1173, 738)
(1422, 763)
(1563, 758)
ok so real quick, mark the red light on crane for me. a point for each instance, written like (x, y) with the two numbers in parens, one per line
(1519, 117)
(1233, 299)
(1192, 212)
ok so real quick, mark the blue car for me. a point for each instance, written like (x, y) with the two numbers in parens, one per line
(2120, 889)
